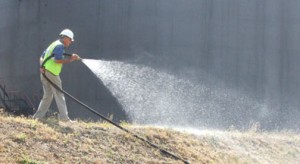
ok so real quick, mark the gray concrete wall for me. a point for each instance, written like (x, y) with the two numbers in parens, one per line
(248, 45)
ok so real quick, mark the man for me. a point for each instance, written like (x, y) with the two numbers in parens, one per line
(51, 63)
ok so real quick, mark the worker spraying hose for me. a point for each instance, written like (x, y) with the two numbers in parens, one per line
(51, 64)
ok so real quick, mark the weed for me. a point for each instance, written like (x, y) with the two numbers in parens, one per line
(125, 123)
(20, 137)
(27, 160)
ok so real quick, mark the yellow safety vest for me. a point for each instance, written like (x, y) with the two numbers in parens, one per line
(51, 65)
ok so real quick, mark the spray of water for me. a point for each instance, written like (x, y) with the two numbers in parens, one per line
(153, 97)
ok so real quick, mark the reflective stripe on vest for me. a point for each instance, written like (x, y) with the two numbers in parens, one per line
(51, 65)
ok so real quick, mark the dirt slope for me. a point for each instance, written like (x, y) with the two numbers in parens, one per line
(25, 140)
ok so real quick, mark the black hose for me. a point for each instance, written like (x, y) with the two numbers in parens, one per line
(115, 124)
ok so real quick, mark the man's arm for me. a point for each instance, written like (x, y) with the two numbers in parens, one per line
(59, 55)
(70, 59)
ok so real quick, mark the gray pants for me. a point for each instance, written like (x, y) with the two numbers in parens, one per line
(49, 92)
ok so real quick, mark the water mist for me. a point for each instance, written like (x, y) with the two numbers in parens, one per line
(153, 97)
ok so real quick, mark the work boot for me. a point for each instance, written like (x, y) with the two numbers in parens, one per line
(67, 120)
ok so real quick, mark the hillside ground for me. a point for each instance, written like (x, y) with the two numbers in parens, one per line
(25, 140)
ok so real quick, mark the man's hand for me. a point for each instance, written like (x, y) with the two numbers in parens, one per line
(75, 57)
(42, 69)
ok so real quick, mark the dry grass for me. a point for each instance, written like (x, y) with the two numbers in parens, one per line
(29, 141)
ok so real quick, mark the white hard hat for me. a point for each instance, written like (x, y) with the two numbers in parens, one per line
(68, 33)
